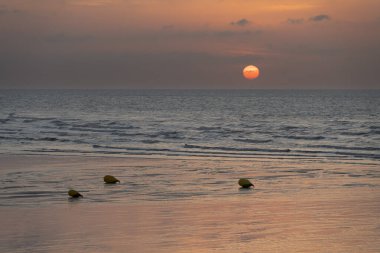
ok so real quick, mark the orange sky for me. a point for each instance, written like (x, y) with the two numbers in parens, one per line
(189, 44)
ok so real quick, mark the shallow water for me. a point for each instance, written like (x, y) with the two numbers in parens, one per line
(273, 225)
(296, 206)
(36, 180)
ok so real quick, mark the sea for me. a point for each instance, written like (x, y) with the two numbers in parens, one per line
(312, 155)
(295, 124)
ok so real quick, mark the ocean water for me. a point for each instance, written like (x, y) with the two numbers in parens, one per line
(335, 124)
(314, 157)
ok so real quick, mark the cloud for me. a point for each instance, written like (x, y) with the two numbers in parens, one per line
(172, 33)
(317, 18)
(5, 10)
(241, 22)
(93, 3)
(68, 38)
(229, 33)
(321, 17)
(295, 21)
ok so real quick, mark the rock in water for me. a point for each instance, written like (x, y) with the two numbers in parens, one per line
(108, 179)
(74, 194)
(245, 183)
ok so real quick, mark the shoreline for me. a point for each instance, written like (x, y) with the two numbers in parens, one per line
(311, 159)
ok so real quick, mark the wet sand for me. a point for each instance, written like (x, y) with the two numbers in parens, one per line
(331, 211)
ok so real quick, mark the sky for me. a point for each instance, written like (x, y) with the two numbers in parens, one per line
(197, 44)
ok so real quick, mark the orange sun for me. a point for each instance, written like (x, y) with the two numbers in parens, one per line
(251, 72)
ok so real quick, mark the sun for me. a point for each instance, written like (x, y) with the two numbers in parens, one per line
(251, 72)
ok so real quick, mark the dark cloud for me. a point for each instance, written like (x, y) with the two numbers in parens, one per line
(321, 17)
(241, 22)
(317, 18)
(295, 21)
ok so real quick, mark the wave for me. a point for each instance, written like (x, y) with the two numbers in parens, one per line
(284, 151)
(355, 133)
(3, 121)
(33, 119)
(33, 139)
(235, 149)
(55, 132)
(297, 137)
(97, 127)
(252, 141)
(104, 125)
(219, 151)
(167, 135)
(59, 123)
(187, 146)
(130, 148)
(359, 155)
(288, 128)
(150, 141)
(123, 134)
(345, 147)
(8, 118)
(8, 131)
(339, 153)
(79, 129)
(206, 151)
(204, 128)
(220, 130)
(251, 126)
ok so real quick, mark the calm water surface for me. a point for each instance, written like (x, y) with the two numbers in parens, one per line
(191, 205)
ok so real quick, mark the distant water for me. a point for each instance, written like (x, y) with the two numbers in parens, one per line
(211, 123)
